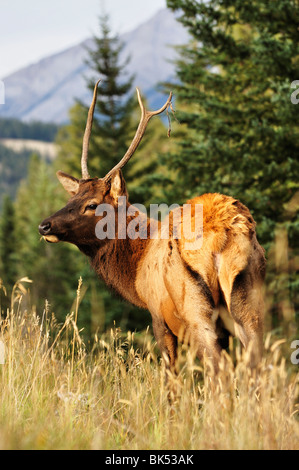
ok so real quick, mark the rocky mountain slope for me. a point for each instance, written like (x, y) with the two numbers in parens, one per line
(46, 90)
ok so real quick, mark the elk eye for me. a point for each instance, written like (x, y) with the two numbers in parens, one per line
(91, 207)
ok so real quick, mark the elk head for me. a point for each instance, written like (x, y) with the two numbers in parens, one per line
(76, 222)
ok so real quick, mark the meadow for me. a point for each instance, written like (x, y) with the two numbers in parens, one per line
(59, 393)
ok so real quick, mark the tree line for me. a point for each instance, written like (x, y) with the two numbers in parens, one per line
(14, 129)
(13, 168)
(238, 135)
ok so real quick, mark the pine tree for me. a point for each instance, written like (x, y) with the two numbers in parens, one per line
(8, 249)
(235, 90)
(116, 119)
(54, 272)
(115, 104)
(112, 125)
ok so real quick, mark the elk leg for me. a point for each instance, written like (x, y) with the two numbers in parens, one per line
(167, 343)
(194, 307)
(246, 306)
(241, 283)
(203, 338)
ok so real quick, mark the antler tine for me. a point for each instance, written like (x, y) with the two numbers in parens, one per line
(85, 146)
(144, 119)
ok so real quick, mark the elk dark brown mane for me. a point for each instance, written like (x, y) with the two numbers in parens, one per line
(186, 290)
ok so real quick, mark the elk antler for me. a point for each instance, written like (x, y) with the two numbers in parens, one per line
(85, 146)
(145, 117)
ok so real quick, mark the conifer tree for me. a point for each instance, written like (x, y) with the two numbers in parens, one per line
(115, 121)
(115, 103)
(112, 126)
(8, 248)
(54, 272)
(236, 78)
(242, 133)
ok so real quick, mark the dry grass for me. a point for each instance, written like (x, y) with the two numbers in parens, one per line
(57, 395)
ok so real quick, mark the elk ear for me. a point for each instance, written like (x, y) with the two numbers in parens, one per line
(118, 185)
(70, 184)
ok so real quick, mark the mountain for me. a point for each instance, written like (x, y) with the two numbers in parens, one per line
(46, 90)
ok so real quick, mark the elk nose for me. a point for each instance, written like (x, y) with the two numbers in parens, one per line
(44, 228)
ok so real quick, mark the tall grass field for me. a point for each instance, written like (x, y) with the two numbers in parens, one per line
(58, 393)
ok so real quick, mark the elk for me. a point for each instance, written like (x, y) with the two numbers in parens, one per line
(189, 293)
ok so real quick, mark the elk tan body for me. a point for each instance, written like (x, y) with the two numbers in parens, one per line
(189, 292)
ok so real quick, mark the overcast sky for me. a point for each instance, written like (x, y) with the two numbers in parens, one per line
(33, 29)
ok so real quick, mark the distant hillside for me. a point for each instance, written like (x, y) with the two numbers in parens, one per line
(46, 90)
(44, 149)
(18, 141)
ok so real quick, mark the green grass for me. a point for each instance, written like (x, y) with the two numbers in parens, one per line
(57, 394)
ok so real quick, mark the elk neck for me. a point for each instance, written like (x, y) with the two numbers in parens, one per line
(116, 261)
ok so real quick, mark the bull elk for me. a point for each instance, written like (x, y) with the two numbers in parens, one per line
(189, 293)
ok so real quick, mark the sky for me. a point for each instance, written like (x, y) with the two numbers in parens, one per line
(33, 29)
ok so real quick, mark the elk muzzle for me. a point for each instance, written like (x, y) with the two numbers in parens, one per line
(45, 230)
